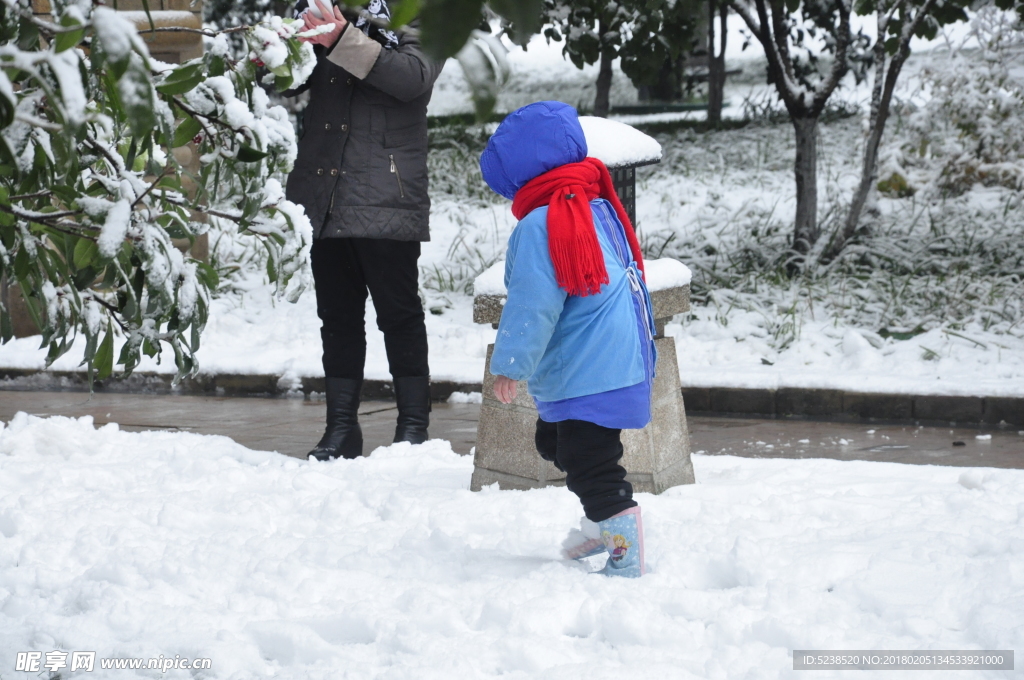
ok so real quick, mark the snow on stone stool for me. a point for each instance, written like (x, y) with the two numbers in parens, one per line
(656, 457)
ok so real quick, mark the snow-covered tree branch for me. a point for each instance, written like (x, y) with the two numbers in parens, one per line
(93, 191)
(643, 34)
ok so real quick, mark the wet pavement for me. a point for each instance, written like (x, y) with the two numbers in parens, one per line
(293, 426)
(920, 445)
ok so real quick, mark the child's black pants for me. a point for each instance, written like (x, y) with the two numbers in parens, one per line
(589, 456)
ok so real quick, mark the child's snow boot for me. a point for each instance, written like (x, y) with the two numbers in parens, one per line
(583, 542)
(623, 536)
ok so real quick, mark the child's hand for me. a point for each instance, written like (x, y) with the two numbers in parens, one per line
(505, 389)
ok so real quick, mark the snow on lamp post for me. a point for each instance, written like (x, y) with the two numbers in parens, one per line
(656, 457)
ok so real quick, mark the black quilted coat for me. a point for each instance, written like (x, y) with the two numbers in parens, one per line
(362, 164)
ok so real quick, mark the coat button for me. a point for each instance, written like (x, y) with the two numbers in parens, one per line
(334, 172)
(327, 126)
(344, 127)
(348, 82)
(334, 79)
(319, 171)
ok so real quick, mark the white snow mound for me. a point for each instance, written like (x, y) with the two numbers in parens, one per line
(616, 143)
(665, 273)
(491, 281)
(169, 543)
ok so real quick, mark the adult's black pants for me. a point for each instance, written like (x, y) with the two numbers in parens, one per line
(589, 456)
(345, 270)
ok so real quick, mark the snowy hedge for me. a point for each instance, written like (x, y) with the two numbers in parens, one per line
(973, 120)
(91, 194)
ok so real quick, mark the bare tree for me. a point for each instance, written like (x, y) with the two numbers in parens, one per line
(786, 32)
(898, 22)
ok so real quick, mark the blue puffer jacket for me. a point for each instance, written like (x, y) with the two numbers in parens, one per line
(564, 346)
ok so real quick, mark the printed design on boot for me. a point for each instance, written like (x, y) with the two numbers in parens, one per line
(583, 542)
(617, 546)
(623, 536)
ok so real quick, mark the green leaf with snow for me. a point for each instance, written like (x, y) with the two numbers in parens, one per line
(85, 254)
(247, 154)
(98, 198)
(65, 40)
(182, 79)
(8, 106)
(186, 132)
(104, 359)
(136, 90)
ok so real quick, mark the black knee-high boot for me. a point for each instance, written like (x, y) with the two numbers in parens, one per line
(343, 437)
(413, 397)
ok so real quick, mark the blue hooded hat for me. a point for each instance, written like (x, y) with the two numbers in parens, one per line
(531, 141)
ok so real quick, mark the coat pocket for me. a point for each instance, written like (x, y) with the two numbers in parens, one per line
(404, 137)
(405, 149)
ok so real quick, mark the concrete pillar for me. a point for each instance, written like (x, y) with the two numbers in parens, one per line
(173, 48)
(656, 457)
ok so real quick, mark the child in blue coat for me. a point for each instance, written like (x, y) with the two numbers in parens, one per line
(577, 324)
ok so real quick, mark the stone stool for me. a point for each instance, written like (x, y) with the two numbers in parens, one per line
(656, 457)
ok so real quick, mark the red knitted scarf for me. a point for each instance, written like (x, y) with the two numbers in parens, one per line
(572, 238)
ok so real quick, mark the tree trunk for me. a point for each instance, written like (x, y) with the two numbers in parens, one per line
(881, 99)
(869, 166)
(868, 179)
(716, 63)
(604, 85)
(806, 230)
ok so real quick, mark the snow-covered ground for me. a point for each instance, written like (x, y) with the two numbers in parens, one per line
(716, 200)
(175, 544)
(722, 202)
(252, 335)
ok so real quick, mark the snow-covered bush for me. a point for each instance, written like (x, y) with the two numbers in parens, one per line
(951, 264)
(455, 181)
(973, 122)
(91, 194)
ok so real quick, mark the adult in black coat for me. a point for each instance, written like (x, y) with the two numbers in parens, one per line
(361, 174)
